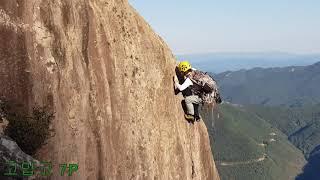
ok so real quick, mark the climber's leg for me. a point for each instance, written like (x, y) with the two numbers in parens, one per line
(197, 116)
(190, 100)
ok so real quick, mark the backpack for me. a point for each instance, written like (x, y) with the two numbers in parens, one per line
(208, 90)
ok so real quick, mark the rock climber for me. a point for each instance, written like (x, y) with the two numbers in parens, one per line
(190, 91)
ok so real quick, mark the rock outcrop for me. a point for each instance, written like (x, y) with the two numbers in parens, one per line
(10, 151)
(108, 77)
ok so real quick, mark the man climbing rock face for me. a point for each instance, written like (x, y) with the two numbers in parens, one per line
(190, 91)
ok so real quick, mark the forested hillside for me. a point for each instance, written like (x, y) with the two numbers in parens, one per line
(288, 99)
(302, 126)
(290, 86)
(248, 147)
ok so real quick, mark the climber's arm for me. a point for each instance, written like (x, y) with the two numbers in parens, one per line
(185, 85)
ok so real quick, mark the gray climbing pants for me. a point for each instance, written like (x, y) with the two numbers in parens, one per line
(190, 100)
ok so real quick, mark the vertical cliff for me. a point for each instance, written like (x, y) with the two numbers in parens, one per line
(108, 77)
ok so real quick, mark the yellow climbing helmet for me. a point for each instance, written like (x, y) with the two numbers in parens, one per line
(184, 66)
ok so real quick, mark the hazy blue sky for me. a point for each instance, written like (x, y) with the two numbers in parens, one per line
(191, 26)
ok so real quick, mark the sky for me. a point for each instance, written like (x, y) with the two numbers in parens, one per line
(190, 26)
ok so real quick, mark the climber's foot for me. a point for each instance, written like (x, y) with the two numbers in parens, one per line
(197, 118)
(189, 118)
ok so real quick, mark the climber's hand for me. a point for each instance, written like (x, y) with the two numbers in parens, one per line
(176, 90)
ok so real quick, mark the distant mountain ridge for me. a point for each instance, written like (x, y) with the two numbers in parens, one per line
(221, 62)
(290, 86)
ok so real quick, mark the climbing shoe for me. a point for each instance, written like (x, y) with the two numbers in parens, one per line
(189, 117)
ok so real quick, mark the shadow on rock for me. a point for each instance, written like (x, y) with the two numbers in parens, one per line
(311, 170)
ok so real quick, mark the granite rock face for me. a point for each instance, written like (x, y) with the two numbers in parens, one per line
(108, 77)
